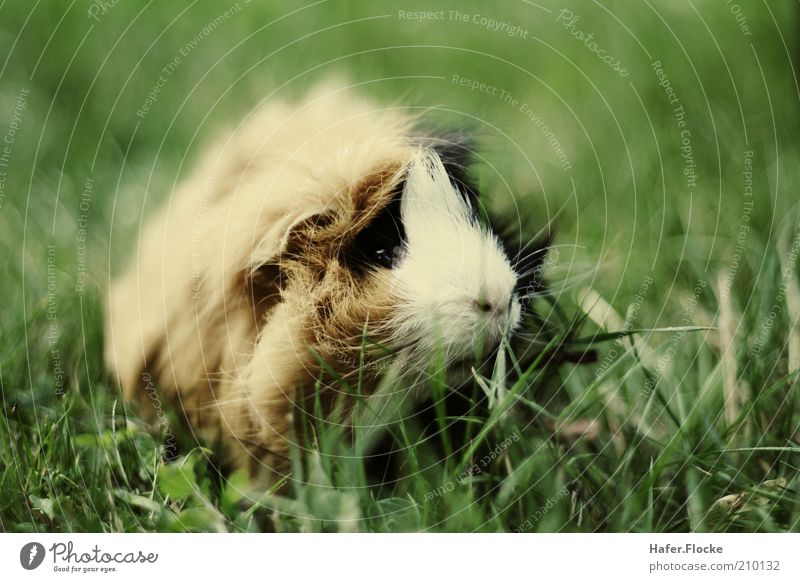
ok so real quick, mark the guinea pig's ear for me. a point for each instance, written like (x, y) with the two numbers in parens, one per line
(456, 149)
(265, 278)
(303, 228)
(457, 152)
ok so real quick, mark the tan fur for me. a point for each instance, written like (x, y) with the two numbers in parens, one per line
(235, 292)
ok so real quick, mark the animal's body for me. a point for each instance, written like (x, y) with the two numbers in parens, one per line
(311, 233)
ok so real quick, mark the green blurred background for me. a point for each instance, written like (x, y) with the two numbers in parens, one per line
(87, 78)
(73, 76)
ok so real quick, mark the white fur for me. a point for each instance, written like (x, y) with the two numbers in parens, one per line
(448, 266)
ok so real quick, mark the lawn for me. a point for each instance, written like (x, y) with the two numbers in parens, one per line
(657, 139)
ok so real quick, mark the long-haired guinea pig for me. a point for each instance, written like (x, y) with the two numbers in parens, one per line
(316, 240)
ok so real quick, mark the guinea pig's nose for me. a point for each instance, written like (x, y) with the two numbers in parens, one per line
(487, 307)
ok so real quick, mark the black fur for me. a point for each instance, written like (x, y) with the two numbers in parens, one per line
(377, 245)
(456, 152)
(527, 258)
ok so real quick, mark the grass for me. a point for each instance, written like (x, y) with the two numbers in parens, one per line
(667, 431)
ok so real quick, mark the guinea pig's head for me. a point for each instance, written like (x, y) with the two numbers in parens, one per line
(454, 283)
(404, 258)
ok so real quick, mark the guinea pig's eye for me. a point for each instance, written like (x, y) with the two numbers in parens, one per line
(376, 245)
(383, 257)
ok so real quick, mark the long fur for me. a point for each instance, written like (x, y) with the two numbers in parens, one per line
(239, 296)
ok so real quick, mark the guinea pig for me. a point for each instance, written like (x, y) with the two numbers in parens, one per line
(320, 237)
